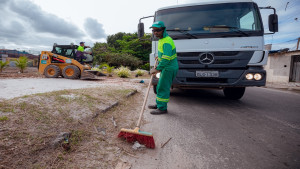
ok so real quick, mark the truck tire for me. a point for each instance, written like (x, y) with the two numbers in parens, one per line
(52, 71)
(234, 93)
(71, 72)
(154, 89)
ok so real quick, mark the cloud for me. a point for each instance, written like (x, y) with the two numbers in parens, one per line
(23, 24)
(94, 29)
(42, 21)
(12, 30)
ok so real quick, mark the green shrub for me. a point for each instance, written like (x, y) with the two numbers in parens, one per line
(145, 66)
(107, 68)
(21, 63)
(97, 69)
(139, 72)
(119, 59)
(3, 65)
(123, 72)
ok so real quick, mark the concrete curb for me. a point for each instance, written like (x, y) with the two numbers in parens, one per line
(113, 105)
(131, 93)
(284, 86)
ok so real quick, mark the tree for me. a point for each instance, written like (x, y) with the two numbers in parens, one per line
(21, 63)
(99, 50)
(140, 48)
(123, 49)
(112, 40)
(3, 65)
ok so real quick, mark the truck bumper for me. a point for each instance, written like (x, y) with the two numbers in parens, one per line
(187, 79)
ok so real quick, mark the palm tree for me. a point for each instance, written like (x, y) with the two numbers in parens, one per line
(21, 63)
(3, 65)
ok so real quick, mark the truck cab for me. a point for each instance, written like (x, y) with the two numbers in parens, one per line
(220, 44)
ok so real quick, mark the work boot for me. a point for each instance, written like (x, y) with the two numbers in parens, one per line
(157, 111)
(152, 106)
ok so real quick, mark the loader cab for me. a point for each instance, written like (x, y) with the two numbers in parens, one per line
(65, 50)
(70, 52)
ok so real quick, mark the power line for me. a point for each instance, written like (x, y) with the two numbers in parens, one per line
(292, 40)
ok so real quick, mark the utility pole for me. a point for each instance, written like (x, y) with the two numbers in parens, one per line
(298, 43)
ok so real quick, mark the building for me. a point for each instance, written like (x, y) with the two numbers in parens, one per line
(283, 66)
(10, 55)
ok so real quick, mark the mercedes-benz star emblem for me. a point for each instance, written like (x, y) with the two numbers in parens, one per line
(206, 58)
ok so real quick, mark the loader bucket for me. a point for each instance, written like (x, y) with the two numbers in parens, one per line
(91, 74)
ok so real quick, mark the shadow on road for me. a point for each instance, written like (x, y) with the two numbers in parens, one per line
(212, 97)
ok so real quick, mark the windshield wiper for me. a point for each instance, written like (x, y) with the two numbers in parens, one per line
(184, 32)
(235, 29)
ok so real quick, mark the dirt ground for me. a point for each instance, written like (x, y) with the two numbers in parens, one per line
(32, 72)
(30, 125)
(13, 72)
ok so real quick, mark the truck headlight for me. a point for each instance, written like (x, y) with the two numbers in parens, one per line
(157, 75)
(249, 76)
(257, 76)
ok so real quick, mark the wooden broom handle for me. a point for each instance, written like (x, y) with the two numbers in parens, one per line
(146, 98)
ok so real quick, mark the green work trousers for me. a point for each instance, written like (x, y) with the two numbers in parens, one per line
(163, 88)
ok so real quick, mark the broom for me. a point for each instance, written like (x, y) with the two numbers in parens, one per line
(142, 137)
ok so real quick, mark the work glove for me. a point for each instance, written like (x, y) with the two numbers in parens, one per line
(154, 71)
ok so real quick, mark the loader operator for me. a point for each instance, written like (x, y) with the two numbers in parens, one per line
(167, 66)
(80, 52)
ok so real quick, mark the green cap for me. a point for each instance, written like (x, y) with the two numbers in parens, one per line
(158, 24)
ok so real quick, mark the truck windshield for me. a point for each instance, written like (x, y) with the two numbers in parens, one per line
(212, 20)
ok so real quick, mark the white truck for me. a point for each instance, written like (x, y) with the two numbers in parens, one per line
(220, 44)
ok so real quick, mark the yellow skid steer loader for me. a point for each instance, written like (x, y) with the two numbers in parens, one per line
(62, 61)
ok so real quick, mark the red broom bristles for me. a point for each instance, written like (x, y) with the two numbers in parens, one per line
(148, 141)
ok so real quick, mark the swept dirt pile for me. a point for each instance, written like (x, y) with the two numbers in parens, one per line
(31, 124)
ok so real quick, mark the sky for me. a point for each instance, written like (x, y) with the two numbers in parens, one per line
(35, 25)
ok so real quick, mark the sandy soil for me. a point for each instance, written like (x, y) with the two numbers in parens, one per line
(29, 123)
(14, 84)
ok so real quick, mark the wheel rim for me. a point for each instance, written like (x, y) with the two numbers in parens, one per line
(51, 72)
(69, 72)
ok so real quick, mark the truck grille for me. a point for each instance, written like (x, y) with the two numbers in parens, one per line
(198, 62)
(222, 59)
(207, 80)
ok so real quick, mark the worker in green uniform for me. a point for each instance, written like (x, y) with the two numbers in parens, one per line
(167, 66)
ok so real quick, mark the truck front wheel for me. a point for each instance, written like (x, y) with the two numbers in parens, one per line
(234, 93)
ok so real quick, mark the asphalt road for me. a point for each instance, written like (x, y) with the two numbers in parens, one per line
(260, 131)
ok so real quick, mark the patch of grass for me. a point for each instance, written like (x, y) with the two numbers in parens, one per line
(118, 93)
(38, 119)
(3, 118)
(23, 106)
(6, 107)
(140, 72)
(123, 72)
(42, 116)
(77, 136)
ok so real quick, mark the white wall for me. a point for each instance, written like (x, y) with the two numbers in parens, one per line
(279, 66)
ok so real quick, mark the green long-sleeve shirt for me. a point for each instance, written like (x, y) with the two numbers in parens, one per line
(167, 56)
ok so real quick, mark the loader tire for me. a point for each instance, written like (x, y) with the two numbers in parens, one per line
(52, 71)
(71, 72)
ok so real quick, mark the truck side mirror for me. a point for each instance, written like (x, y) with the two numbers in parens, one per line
(273, 23)
(141, 30)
